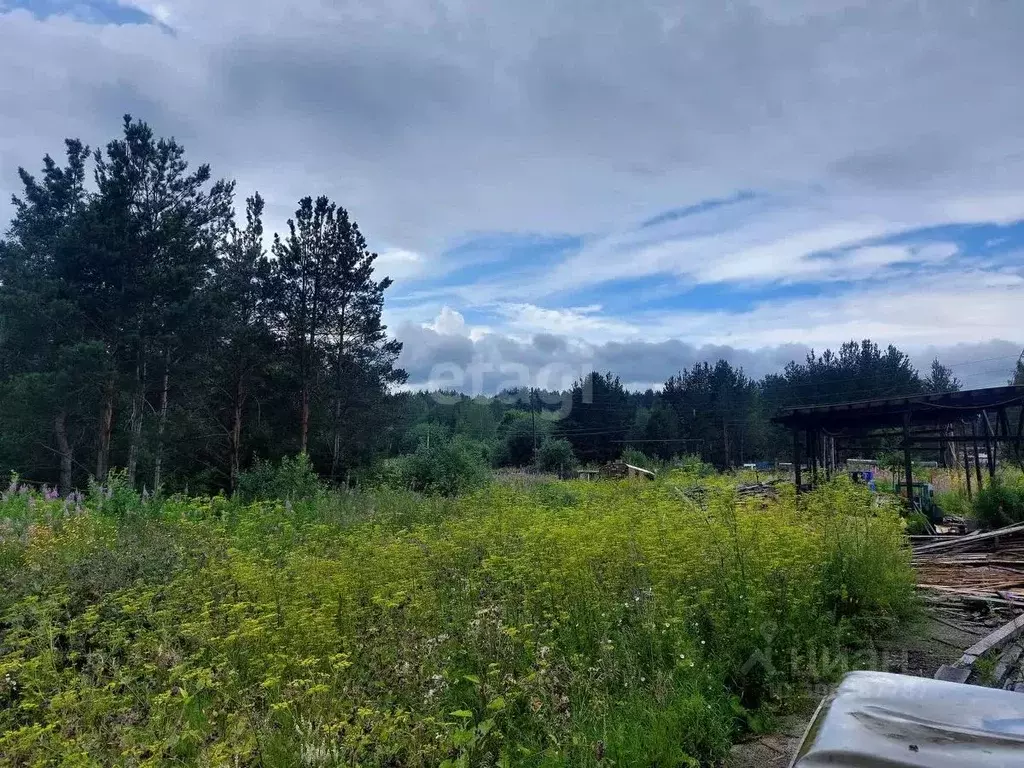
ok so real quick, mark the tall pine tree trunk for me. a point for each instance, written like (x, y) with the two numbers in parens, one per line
(162, 425)
(336, 450)
(106, 429)
(305, 416)
(138, 406)
(304, 366)
(236, 435)
(64, 447)
(725, 441)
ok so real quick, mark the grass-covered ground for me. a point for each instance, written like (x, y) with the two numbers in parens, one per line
(564, 624)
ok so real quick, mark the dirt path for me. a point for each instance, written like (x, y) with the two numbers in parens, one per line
(773, 750)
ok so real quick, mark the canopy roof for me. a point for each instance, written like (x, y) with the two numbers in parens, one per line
(925, 410)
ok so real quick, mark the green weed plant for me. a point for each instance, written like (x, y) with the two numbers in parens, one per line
(578, 624)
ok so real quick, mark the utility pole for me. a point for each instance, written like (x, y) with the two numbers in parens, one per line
(533, 417)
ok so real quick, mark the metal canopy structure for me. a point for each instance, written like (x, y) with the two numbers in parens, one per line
(949, 420)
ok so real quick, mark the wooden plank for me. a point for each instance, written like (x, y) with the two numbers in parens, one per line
(919, 540)
(1010, 566)
(952, 543)
(1009, 598)
(969, 540)
(1003, 635)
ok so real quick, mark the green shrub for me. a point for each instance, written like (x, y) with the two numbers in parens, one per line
(640, 459)
(1001, 502)
(389, 472)
(954, 503)
(917, 524)
(448, 468)
(554, 495)
(517, 435)
(693, 465)
(114, 496)
(866, 577)
(555, 455)
(424, 432)
(293, 479)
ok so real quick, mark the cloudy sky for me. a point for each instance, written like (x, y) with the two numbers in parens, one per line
(562, 184)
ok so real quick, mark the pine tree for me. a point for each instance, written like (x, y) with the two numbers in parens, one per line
(941, 379)
(599, 419)
(249, 348)
(363, 357)
(149, 245)
(47, 362)
(302, 275)
(331, 311)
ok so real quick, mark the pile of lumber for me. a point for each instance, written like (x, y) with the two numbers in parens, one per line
(763, 490)
(985, 568)
(987, 565)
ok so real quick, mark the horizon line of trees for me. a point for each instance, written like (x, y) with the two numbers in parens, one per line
(713, 411)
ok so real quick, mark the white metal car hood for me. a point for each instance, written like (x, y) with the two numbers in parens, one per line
(881, 720)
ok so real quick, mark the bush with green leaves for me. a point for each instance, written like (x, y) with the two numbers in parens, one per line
(555, 455)
(1001, 502)
(694, 465)
(425, 433)
(917, 524)
(640, 459)
(517, 436)
(115, 496)
(293, 479)
(954, 502)
(388, 472)
(448, 468)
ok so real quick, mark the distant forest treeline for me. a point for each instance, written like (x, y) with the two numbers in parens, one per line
(145, 326)
(713, 411)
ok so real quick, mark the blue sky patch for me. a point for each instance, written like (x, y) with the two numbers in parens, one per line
(484, 270)
(90, 11)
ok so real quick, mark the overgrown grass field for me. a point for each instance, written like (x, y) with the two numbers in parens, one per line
(563, 624)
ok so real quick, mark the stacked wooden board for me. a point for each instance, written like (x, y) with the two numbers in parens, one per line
(986, 565)
(980, 567)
